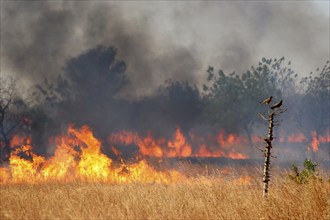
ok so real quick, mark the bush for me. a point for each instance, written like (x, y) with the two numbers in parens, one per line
(308, 173)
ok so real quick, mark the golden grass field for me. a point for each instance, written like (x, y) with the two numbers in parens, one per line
(201, 197)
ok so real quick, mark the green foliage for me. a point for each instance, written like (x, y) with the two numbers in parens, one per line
(308, 173)
(314, 115)
(233, 99)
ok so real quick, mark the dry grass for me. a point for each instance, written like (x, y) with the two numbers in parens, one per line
(199, 198)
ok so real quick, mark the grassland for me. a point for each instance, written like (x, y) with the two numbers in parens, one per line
(202, 197)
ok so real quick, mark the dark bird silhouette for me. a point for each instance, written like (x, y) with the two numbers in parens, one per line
(277, 105)
(267, 101)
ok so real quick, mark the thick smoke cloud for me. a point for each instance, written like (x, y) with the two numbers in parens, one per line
(114, 59)
(38, 46)
(160, 40)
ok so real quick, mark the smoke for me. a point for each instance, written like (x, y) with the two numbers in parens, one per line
(38, 42)
(104, 50)
(160, 40)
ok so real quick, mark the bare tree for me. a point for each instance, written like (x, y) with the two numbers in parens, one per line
(273, 111)
(12, 109)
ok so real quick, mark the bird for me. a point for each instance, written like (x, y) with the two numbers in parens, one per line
(277, 105)
(267, 101)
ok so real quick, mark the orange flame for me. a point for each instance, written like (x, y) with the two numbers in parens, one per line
(315, 142)
(324, 139)
(296, 138)
(149, 146)
(115, 151)
(222, 145)
(78, 156)
(179, 146)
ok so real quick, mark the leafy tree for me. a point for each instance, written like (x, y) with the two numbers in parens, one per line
(174, 104)
(313, 114)
(86, 92)
(94, 74)
(182, 103)
(233, 99)
(223, 99)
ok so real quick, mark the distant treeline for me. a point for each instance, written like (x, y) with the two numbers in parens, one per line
(89, 92)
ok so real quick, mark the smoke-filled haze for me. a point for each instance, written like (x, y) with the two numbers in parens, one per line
(160, 40)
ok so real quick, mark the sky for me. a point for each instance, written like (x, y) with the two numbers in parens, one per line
(162, 40)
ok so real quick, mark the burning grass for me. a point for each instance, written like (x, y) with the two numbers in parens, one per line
(219, 195)
(80, 182)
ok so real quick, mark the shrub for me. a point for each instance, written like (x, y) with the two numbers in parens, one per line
(308, 173)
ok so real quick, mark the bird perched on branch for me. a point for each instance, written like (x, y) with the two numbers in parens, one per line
(277, 105)
(267, 101)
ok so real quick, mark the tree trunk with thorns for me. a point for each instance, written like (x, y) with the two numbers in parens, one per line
(273, 110)
(267, 152)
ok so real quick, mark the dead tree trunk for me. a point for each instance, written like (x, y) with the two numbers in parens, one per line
(273, 111)
(267, 152)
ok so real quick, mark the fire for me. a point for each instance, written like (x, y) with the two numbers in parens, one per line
(315, 142)
(179, 146)
(142, 172)
(78, 156)
(23, 168)
(149, 146)
(223, 145)
(296, 138)
(301, 138)
(234, 155)
(324, 139)
(115, 151)
(227, 140)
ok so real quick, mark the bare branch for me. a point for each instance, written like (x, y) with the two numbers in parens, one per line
(261, 150)
(262, 116)
(11, 107)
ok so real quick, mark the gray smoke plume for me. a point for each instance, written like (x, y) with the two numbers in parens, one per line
(160, 40)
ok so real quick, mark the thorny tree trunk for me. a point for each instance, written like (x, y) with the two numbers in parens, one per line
(268, 141)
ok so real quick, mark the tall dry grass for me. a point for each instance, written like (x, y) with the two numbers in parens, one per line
(203, 197)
